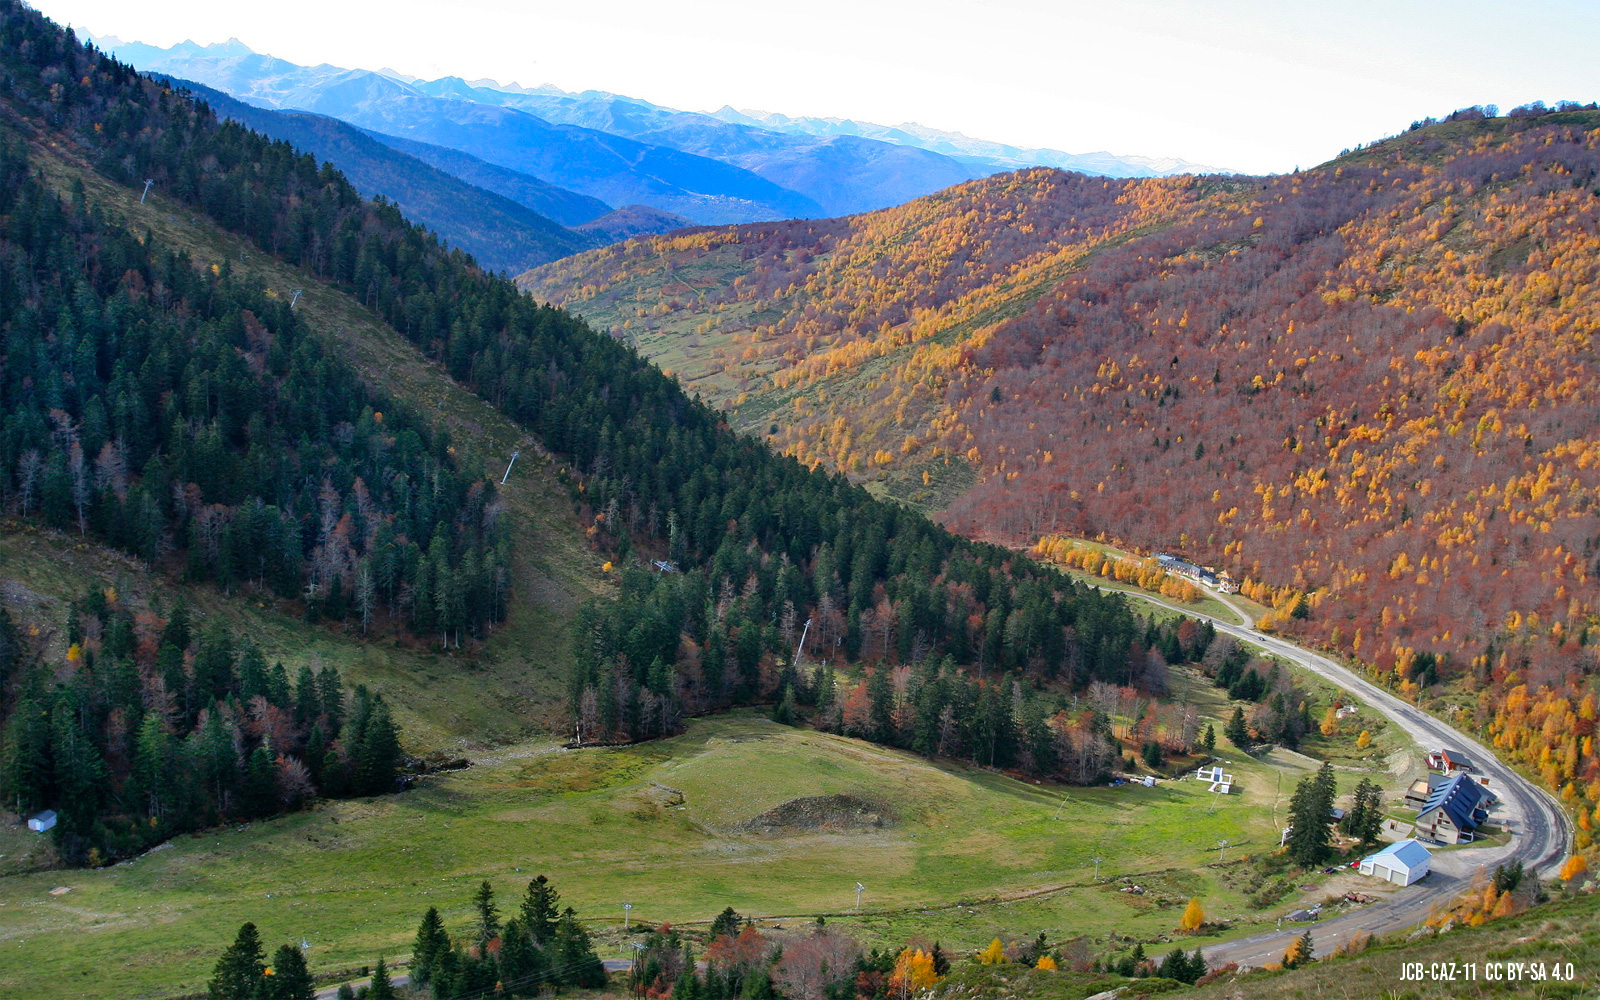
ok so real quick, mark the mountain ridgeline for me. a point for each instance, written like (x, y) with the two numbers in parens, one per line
(501, 234)
(187, 416)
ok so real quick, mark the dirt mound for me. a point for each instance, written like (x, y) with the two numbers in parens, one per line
(821, 813)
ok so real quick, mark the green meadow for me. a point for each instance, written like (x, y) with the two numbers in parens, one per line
(961, 854)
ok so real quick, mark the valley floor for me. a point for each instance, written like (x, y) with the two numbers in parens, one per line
(961, 855)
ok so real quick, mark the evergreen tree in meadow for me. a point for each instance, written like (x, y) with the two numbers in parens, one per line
(241, 968)
(1236, 731)
(487, 925)
(290, 979)
(430, 944)
(541, 910)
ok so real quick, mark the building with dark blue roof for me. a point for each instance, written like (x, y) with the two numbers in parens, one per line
(1454, 811)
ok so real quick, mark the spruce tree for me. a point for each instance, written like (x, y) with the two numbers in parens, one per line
(290, 979)
(575, 960)
(488, 924)
(522, 966)
(377, 755)
(261, 782)
(1365, 820)
(382, 987)
(726, 923)
(239, 972)
(1208, 740)
(1308, 816)
(541, 908)
(687, 986)
(1236, 731)
(430, 943)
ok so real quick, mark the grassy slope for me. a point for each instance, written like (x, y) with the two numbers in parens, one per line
(452, 701)
(353, 876)
(1556, 935)
(1566, 932)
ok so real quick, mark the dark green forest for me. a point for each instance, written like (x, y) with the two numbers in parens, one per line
(191, 420)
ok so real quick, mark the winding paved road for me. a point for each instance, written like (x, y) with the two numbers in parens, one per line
(1540, 838)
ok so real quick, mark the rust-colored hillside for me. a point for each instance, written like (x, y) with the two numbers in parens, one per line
(1373, 384)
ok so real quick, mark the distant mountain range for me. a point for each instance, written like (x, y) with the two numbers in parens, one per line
(504, 232)
(718, 168)
(978, 152)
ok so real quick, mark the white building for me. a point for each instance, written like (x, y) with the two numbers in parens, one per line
(1214, 775)
(43, 821)
(1402, 862)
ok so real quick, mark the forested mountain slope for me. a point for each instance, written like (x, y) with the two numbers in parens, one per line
(1368, 387)
(106, 328)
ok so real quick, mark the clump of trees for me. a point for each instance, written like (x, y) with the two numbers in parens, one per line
(540, 946)
(155, 726)
(243, 972)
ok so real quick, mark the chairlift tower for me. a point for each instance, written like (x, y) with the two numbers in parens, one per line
(146, 191)
(509, 464)
(859, 890)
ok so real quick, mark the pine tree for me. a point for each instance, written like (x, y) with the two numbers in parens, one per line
(727, 923)
(239, 972)
(430, 943)
(488, 925)
(687, 986)
(1308, 815)
(382, 988)
(1300, 951)
(541, 909)
(1235, 730)
(574, 957)
(522, 966)
(1208, 739)
(290, 979)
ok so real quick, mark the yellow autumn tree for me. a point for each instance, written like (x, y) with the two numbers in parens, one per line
(1364, 740)
(1573, 868)
(1194, 916)
(1330, 721)
(913, 973)
(1046, 962)
(1507, 906)
(994, 954)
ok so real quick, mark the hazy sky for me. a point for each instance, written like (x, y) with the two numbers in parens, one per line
(1258, 85)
